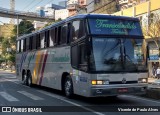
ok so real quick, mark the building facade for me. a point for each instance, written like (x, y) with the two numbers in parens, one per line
(76, 6)
(38, 25)
(61, 14)
(149, 14)
(105, 6)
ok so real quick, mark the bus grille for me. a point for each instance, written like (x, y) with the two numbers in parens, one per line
(120, 82)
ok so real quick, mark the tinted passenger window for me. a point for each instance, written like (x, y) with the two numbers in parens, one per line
(22, 43)
(34, 42)
(78, 30)
(38, 41)
(52, 37)
(30, 43)
(74, 56)
(17, 46)
(64, 34)
(27, 44)
(42, 37)
(46, 41)
(75, 29)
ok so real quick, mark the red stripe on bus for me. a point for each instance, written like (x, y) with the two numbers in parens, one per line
(43, 67)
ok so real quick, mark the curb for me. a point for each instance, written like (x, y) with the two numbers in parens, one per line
(152, 93)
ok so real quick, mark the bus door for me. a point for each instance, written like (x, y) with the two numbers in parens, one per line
(79, 62)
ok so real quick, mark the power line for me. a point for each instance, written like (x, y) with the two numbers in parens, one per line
(35, 5)
(29, 4)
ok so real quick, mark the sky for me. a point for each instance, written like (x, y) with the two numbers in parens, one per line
(24, 5)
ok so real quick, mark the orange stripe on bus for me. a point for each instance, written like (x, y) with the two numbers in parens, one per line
(35, 71)
(40, 67)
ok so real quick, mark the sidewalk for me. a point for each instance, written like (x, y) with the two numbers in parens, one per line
(153, 90)
(13, 71)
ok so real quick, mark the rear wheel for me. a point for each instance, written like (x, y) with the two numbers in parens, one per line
(24, 79)
(68, 87)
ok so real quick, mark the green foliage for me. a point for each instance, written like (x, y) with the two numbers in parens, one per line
(8, 56)
(1, 38)
(50, 23)
(25, 27)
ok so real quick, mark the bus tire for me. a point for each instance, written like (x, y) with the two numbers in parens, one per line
(29, 79)
(68, 87)
(24, 78)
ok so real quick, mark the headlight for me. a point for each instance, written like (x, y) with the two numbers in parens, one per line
(106, 82)
(142, 80)
(100, 82)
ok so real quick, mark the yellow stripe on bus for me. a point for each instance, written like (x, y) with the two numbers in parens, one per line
(35, 71)
(40, 66)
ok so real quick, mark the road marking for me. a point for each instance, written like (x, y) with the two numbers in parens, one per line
(140, 98)
(8, 97)
(34, 97)
(70, 102)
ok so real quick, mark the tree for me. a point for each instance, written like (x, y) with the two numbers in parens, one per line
(151, 27)
(50, 23)
(25, 27)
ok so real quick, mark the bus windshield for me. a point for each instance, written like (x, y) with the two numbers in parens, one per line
(115, 27)
(118, 55)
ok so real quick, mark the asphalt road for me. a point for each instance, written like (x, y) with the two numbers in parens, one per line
(14, 94)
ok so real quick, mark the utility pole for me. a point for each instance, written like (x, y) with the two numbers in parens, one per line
(12, 8)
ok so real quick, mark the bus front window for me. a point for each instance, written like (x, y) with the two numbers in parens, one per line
(118, 55)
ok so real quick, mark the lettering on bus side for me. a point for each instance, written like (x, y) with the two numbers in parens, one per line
(62, 58)
(83, 79)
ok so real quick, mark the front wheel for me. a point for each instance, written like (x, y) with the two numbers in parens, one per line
(68, 87)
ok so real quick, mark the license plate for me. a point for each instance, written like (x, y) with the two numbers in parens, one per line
(122, 90)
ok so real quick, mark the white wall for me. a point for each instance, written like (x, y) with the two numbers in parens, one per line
(38, 24)
(63, 14)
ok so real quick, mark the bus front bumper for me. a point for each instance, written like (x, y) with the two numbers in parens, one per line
(113, 90)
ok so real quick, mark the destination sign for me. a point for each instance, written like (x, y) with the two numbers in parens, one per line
(115, 27)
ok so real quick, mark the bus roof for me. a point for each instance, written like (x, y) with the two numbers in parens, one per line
(81, 16)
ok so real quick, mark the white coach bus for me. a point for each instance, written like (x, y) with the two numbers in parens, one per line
(89, 55)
